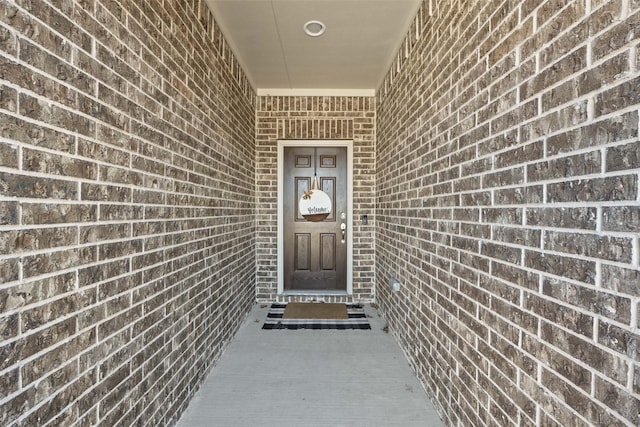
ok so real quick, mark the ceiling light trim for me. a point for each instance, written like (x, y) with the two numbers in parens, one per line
(314, 28)
(315, 92)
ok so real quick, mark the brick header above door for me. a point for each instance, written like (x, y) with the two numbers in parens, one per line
(315, 129)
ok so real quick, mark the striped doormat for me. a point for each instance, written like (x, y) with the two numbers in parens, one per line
(357, 320)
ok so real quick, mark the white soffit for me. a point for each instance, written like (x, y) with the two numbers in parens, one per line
(351, 58)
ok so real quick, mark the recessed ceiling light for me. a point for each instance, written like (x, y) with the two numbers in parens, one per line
(314, 28)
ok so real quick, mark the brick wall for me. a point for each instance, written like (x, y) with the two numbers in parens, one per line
(298, 118)
(507, 173)
(127, 222)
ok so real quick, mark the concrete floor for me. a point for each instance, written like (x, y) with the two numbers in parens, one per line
(306, 378)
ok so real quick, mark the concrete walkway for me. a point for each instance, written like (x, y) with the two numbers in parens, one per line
(308, 378)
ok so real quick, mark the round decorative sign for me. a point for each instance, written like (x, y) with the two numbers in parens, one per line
(315, 205)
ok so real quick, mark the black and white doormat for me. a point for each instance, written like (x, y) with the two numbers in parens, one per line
(357, 320)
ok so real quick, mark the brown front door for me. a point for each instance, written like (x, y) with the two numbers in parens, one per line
(315, 253)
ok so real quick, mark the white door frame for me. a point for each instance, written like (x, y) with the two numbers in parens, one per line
(350, 222)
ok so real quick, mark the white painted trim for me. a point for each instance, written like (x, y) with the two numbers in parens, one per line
(316, 92)
(315, 143)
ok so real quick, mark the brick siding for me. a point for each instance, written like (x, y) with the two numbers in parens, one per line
(315, 118)
(127, 219)
(508, 205)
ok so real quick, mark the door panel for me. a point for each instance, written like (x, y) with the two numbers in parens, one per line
(302, 184)
(328, 185)
(302, 260)
(327, 161)
(303, 161)
(315, 255)
(328, 251)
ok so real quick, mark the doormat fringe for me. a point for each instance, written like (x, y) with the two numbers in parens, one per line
(357, 320)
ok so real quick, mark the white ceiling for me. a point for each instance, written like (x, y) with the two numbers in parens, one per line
(360, 42)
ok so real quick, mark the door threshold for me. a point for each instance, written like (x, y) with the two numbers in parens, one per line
(306, 293)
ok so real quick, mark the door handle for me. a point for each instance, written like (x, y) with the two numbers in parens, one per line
(343, 230)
